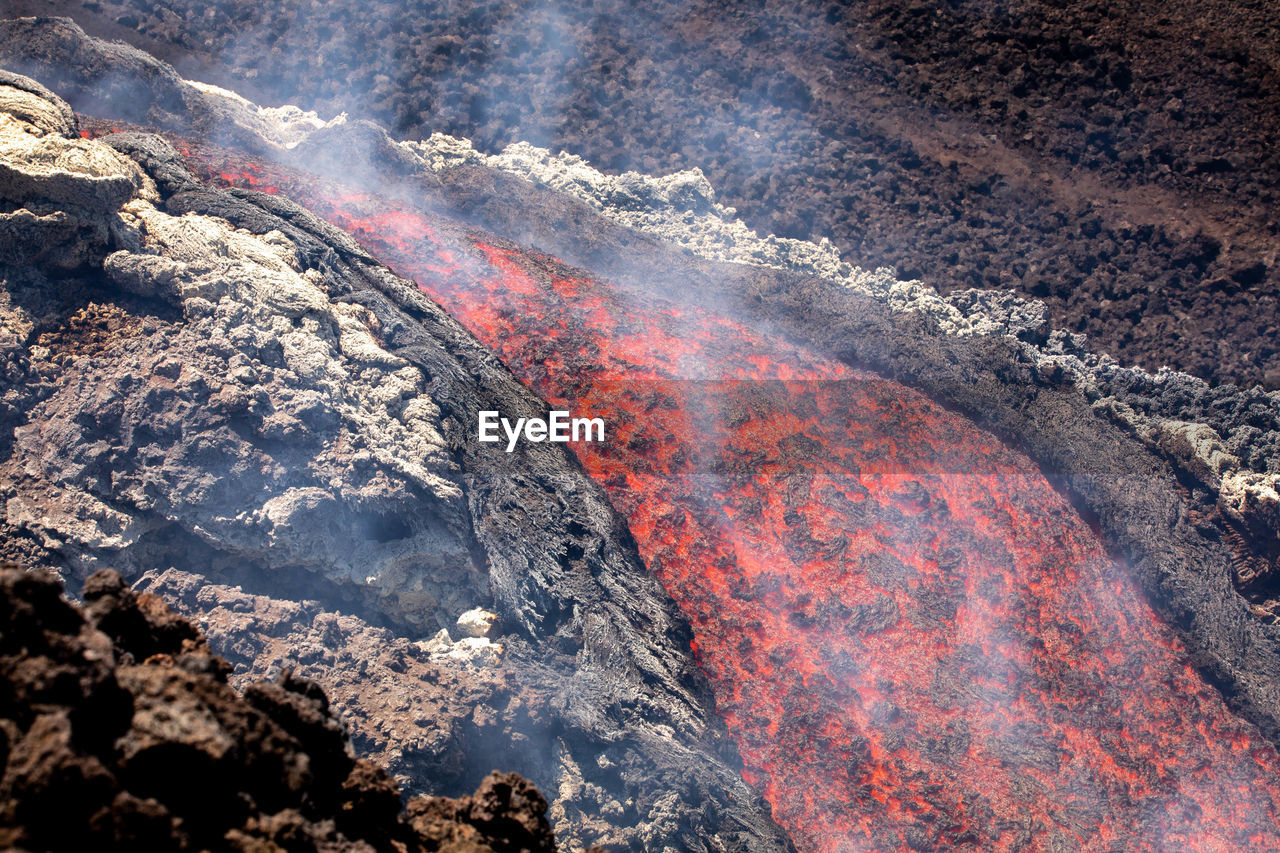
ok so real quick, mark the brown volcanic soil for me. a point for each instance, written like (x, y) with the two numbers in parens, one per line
(1111, 160)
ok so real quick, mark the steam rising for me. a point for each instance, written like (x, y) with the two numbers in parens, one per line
(885, 597)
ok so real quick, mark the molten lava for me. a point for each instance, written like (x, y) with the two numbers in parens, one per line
(915, 641)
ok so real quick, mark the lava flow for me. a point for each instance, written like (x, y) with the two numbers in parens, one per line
(914, 640)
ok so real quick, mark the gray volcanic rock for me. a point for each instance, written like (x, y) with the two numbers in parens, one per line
(281, 422)
(134, 86)
(59, 206)
(227, 385)
(425, 710)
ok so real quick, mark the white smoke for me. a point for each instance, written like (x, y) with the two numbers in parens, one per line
(681, 209)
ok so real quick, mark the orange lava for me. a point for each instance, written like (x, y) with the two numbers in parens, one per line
(914, 640)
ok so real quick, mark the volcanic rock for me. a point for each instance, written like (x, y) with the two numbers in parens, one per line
(1178, 473)
(680, 209)
(229, 385)
(1095, 424)
(121, 733)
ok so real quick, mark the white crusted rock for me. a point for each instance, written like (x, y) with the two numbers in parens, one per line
(476, 622)
(270, 422)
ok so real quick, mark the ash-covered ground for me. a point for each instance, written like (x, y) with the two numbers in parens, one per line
(1114, 160)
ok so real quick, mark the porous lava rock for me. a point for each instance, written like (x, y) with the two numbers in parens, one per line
(120, 732)
(433, 715)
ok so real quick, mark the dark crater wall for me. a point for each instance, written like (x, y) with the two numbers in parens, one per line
(1109, 160)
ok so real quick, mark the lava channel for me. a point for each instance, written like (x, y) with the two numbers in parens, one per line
(914, 640)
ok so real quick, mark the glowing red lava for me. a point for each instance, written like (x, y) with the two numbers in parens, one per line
(915, 641)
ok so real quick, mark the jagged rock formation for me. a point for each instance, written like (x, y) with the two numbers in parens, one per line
(119, 732)
(409, 705)
(264, 359)
(226, 384)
